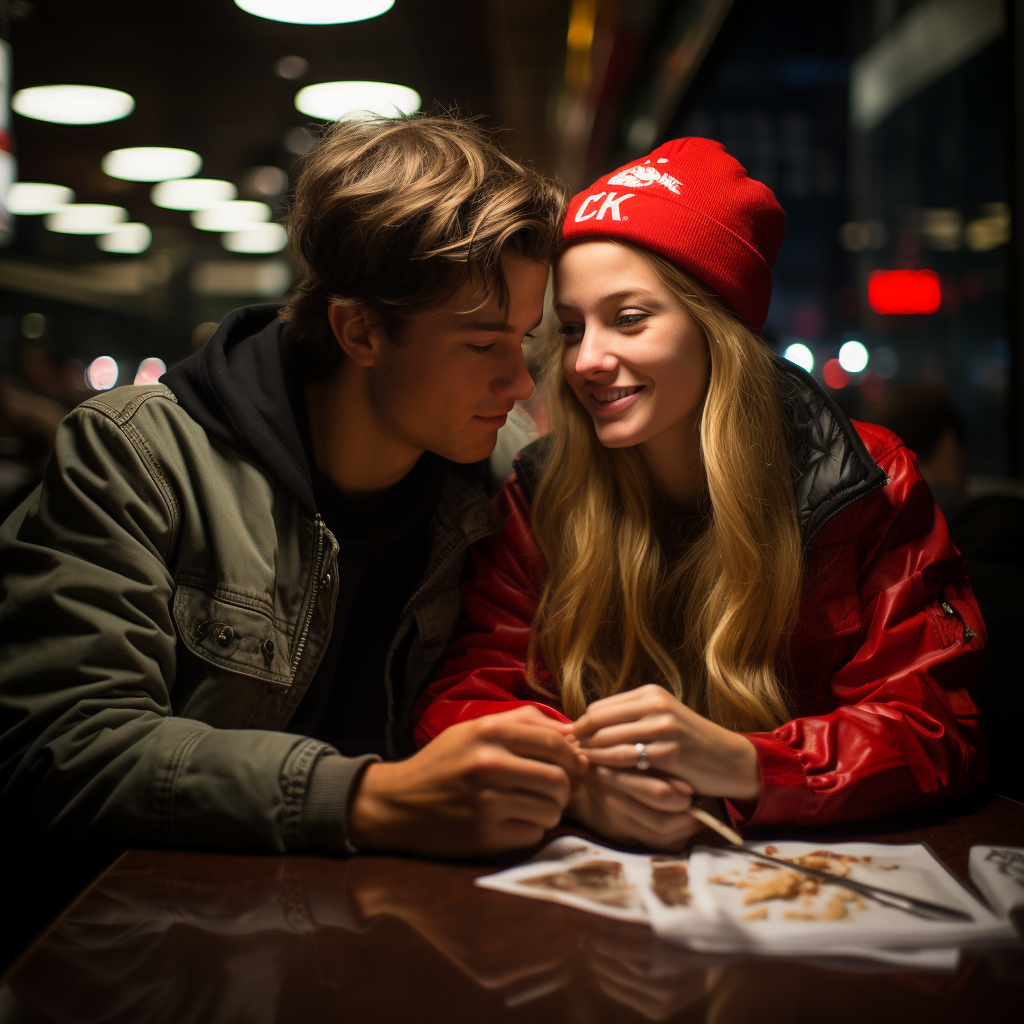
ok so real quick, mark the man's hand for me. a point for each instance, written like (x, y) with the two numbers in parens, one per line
(714, 760)
(635, 808)
(481, 787)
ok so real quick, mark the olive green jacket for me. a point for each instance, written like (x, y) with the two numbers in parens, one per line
(164, 605)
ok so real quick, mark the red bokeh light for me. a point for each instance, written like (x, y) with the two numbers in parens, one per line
(904, 291)
(834, 375)
(872, 387)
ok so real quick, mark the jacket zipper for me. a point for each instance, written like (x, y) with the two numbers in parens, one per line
(846, 504)
(318, 556)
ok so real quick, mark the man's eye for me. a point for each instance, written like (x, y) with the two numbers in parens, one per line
(482, 348)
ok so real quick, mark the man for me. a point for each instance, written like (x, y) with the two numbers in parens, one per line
(217, 613)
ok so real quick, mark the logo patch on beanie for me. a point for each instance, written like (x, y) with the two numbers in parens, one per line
(643, 175)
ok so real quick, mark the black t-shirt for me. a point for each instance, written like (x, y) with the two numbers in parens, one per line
(383, 548)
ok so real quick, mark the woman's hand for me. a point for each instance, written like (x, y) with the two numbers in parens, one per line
(640, 809)
(714, 760)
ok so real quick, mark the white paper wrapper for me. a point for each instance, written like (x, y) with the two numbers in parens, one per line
(998, 872)
(622, 886)
(911, 870)
(543, 878)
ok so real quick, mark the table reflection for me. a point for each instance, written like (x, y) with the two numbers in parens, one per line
(183, 937)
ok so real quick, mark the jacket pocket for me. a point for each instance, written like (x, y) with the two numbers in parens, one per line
(229, 630)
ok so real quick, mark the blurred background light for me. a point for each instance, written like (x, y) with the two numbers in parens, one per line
(72, 104)
(834, 375)
(258, 238)
(265, 181)
(332, 101)
(904, 291)
(231, 216)
(884, 362)
(30, 197)
(291, 67)
(33, 325)
(316, 12)
(150, 371)
(853, 356)
(102, 373)
(192, 193)
(151, 163)
(132, 237)
(299, 141)
(800, 354)
(85, 218)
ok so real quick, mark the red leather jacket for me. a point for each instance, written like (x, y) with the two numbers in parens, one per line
(889, 644)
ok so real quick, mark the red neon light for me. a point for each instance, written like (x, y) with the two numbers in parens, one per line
(834, 375)
(904, 291)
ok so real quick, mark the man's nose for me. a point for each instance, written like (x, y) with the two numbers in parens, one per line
(594, 356)
(516, 383)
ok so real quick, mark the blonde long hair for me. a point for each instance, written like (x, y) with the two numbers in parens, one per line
(623, 602)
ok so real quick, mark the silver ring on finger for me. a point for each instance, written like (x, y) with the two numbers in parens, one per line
(643, 760)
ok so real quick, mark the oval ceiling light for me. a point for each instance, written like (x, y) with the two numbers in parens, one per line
(72, 104)
(102, 373)
(133, 237)
(30, 197)
(333, 101)
(232, 216)
(316, 12)
(192, 193)
(150, 371)
(86, 218)
(151, 163)
(258, 238)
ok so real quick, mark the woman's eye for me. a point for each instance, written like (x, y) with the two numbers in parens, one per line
(631, 319)
(569, 330)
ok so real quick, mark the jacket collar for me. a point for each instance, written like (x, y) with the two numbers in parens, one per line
(833, 468)
(832, 465)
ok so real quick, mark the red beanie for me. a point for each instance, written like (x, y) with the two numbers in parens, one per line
(692, 203)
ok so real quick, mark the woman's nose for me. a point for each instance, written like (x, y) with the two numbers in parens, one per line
(594, 356)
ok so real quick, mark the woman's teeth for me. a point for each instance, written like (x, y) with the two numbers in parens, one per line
(615, 394)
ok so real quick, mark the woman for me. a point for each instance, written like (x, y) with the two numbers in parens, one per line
(706, 568)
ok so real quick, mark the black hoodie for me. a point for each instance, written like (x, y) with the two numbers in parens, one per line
(244, 387)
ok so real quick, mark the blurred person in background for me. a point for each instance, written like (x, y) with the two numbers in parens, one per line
(988, 528)
(721, 584)
(220, 607)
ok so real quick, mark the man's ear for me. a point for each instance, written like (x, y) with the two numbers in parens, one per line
(355, 332)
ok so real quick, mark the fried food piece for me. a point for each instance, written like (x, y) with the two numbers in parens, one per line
(771, 850)
(669, 882)
(834, 910)
(602, 881)
(796, 915)
(758, 914)
(721, 880)
(837, 866)
(783, 885)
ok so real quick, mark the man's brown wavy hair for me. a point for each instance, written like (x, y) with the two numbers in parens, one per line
(396, 214)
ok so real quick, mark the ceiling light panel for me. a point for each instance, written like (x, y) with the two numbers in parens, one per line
(232, 216)
(132, 237)
(151, 163)
(86, 218)
(258, 238)
(192, 193)
(333, 101)
(32, 197)
(72, 104)
(316, 12)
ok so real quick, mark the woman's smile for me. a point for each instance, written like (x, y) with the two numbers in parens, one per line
(612, 401)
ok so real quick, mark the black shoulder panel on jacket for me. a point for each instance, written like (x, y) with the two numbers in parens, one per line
(833, 467)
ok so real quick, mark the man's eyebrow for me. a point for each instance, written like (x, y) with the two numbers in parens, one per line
(488, 327)
(624, 294)
(494, 326)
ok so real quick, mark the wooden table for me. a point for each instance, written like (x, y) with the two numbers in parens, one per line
(183, 937)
